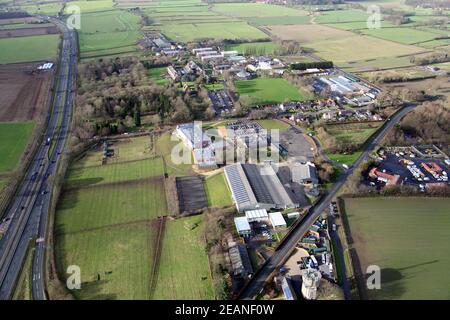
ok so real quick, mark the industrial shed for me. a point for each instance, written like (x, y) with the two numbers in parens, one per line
(242, 225)
(256, 215)
(257, 187)
(277, 220)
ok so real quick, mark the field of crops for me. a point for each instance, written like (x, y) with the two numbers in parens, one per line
(402, 35)
(14, 138)
(184, 267)
(407, 238)
(27, 49)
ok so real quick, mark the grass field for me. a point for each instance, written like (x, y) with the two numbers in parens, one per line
(137, 148)
(355, 133)
(116, 172)
(158, 75)
(408, 239)
(252, 48)
(216, 30)
(87, 208)
(347, 159)
(270, 90)
(184, 267)
(342, 16)
(90, 5)
(265, 21)
(14, 139)
(259, 10)
(217, 191)
(106, 221)
(270, 124)
(109, 30)
(28, 49)
(121, 256)
(164, 146)
(402, 35)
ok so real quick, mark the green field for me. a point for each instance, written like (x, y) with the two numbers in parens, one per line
(116, 172)
(106, 221)
(355, 133)
(342, 16)
(158, 75)
(259, 10)
(184, 267)
(402, 35)
(347, 159)
(271, 21)
(270, 90)
(253, 48)
(164, 147)
(217, 191)
(87, 208)
(28, 49)
(14, 139)
(408, 239)
(133, 149)
(108, 30)
(270, 124)
(121, 256)
(90, 5)
(215, 30)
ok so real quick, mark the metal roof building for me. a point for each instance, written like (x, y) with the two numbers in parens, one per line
(256, 187)
(240, 261)
(256, 215)
(277, 220)
(242, 225)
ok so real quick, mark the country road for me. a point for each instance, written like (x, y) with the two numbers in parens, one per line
(255, 285)
(28, 210)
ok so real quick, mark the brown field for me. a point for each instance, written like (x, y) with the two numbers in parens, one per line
(23, 32)
(18, 20)
(24, 94)
(307, 33)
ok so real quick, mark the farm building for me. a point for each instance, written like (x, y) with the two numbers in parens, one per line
(253, 186)
(242, 226)
(304, 173)
(277, 220)
(240, 261)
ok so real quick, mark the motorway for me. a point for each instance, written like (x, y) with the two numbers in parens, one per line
(28, 211)
(255, 284)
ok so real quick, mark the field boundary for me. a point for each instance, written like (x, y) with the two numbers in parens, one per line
(157, 254)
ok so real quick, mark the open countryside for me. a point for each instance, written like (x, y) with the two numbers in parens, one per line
(142, 148)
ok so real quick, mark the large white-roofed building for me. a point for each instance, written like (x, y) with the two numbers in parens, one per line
(257, 215)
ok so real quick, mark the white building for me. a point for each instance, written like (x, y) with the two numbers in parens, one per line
(277, 220)
(257, 215)
(242, 225)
